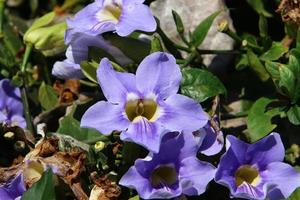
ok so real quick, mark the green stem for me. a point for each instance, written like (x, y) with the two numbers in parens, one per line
(24, 90)
(206, 51)
(2, 7)
(88, 83)
(233, 35)
(190, 59)
(26, 57)
(182, 48)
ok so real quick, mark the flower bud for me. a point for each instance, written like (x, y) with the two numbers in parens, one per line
(9, 136)
(223, 26)
(47, 34)
(99, 146)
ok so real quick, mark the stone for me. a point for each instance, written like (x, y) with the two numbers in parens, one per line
(192, 13)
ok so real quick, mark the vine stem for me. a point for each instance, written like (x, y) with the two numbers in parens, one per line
(24, 95)
(2, 7)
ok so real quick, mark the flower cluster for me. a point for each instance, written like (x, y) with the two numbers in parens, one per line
(146, 109)
(120, 16)
(11, 107)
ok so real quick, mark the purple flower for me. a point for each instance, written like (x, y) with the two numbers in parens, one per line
(78, 51)
(256, 171)
(173, 171)
(213, 139)
(122, 16)
(145, 105)
(14, 189)
(11, 107)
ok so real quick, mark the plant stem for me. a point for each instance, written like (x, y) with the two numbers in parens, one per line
(206, 51)
(24, 90)
(88, 83)
(182, 48)
(190, 59)
(2, 7)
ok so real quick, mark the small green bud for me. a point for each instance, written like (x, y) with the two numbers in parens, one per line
(47, 34)
(9, 136)
(99, 146)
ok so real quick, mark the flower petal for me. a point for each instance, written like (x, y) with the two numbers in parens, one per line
(134, 180)
(182, 113)
(115, 85)
(135, 16)
(105, 117)
(213, 140)
(86, 21)
(145, 133)
(269, 149)
(67, 70)
(283, 176)
(195, 175)
(237, 147)
(158, 73)
(17, 120)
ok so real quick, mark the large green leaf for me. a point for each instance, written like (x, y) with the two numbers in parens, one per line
(257, 66)
(200, 84)
(70, 126)
(294, 115)
(275, 52)
(47, 96)
(287, 81)
(43, 189)
(202, 29)
(259, 119)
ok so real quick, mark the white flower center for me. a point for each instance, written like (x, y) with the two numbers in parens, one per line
(111, 11)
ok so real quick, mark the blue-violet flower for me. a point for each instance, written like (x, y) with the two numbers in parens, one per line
(145, 105)
(173, 171)
(256, 171)
(11, 107)
(122, 16)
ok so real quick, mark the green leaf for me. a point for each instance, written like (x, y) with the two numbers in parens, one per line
(133, 48)
(47, 96)
(89, 69)
(178, 22)
(273, 69)
(257, 66)
(259, 119)
(70, 126)
(295, 195)
(96, 54)
(43, 189)
(275, 52)
(263, 26)
(135, 198)
(156, 45)
(200, 84)
(259, 7)
(243, 63)
(287, 80)
(294, 66)
(294, 115)
(202, 29)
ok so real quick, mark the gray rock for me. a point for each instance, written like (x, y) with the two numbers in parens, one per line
(192, 13)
